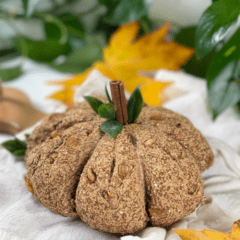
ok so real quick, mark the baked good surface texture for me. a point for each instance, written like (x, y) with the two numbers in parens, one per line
(149, 173)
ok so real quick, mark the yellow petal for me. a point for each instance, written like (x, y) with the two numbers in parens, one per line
(152, 90)
(235, 233)
(105, 70)
(76, 79)
(147, 43)
(120, 39)
(192, 234)
(65, 96)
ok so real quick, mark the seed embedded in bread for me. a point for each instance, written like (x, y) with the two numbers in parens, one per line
(91, 175)
(123, 170)
(71, 142)
(149, 143)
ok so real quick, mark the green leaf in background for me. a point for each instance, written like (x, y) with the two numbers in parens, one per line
(19, 153)
(29, 7)
(110, 4)
(54, 22)
(8, 74)
(195, 65)
(223, 76)
(94, 103)
(81, 59)
(73, 24)
(215, 24)
(238, 107)
(105, 28)
(146, 26)
(16, 147)
(128, 11)
(106, 110)
(135, 105)
(45, 50)
(75, 42)
(186, 36)
(25, 6)
(107, 94)
(8, 51)
(54, 27)
(112, 128)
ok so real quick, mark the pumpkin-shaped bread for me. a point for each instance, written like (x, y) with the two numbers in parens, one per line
(150, 172)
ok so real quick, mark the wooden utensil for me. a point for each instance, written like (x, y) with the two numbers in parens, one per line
(16, 111)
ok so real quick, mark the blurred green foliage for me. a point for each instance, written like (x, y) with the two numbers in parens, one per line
(69, 46)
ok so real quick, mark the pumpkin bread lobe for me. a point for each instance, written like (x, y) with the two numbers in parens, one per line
(181, 129)
(60, 121)
(150, 172)
(160, 114)
(76, 113)
(174, 187)
(115, 201)
(54, 167)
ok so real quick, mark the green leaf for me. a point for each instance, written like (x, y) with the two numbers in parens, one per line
(29, 7)
(107, 94)
(27, 136)
(75, 42)
(135, 105)
(112, 128)
(8, 51)
(146, 25)
(55, 27)
(105, 28)
(195, 65)
(16, 147)
(223, 76)
(186, 36)
(45, 50)
(128, 11)
(110, 4)
(81, 59)
(19, 153)
(106, 110)
(94, 103)
(8, 74)
(215, 24)
(25, 6)
(73, 24)
(238, 107)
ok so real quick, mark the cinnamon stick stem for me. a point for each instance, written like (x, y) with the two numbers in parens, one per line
(119, 101)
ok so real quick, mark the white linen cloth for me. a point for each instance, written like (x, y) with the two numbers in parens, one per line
(23, 218)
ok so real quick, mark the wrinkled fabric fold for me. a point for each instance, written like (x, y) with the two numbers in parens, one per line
(22, 217)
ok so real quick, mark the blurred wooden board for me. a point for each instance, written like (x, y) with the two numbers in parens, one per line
(16, 111)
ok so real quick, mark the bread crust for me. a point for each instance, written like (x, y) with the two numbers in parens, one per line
(151, 172)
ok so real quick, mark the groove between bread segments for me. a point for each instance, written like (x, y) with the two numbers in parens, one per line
(172, 158)
(143, 180)
(63, 128)
(86, 163)
(197, 159)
